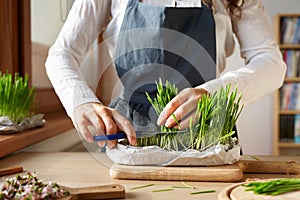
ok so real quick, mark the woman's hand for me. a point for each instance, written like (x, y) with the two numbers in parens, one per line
(101, 120)
(183, 106)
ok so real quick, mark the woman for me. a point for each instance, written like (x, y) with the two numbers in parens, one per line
(142, 37)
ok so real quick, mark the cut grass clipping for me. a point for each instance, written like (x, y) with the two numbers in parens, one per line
(142, 186)
(216, 116)
(16, 98)
(274, 187)
(184, 186)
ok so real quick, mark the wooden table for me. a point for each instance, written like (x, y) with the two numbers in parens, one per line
(76, 169)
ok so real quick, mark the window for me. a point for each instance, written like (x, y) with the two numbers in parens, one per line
(16, 49)
(16, 56)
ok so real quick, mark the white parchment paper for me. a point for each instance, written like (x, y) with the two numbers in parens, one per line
(154, 155)
(9, 126)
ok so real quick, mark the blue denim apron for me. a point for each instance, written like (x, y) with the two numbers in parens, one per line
(171, 43)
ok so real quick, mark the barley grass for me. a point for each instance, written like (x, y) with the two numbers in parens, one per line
(216, 116)
(16, 97)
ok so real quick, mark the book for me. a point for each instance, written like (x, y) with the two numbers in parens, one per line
(297, 129)
(296, 39)
(290, 96)
(289, 30)
(285, 95)
(292, 60)
(287, 128)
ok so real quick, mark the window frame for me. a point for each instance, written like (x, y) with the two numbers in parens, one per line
(15, 57)
(16, 54)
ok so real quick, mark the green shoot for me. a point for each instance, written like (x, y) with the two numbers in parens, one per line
(16, 98)
(274, 187)
(184, 185)
(255, 158)
(165, 93)
(163, 190)
(142, 186)
(202, 192)
(216, 116)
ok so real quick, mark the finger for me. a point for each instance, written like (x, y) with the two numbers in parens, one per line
(181, 112)
(168, 110)
(98, 126)
(185, 122)
(82, 125)
(97, 133)
(172, 106)
(125, 125)
(111, 128)
(101, 144)
(97, 123)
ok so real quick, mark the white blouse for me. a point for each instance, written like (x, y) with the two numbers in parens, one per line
(262, 73)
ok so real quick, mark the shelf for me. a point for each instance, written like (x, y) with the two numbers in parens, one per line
(286, 38)
(288, 15)
(289, 46)
(288, 145)
(292, 79)
(289, 112)
(56, 123)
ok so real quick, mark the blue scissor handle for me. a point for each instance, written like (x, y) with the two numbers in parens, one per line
(116, 136)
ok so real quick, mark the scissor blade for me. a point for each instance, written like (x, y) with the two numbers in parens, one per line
(139, 134)
(117, 136)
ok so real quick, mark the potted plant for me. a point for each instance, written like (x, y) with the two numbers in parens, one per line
(16, 101)
(208, 140)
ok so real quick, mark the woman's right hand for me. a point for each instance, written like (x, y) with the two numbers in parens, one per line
(101, 120)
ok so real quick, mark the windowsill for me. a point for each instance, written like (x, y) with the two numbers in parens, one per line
(56, 123)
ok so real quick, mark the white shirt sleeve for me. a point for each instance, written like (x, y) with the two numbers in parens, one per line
(264, 69)
(76, 38)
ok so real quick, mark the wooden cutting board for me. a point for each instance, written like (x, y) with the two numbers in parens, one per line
(112, 191)
(237, 192)
(225, 173)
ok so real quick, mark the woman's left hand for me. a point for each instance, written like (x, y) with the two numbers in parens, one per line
(183, 106)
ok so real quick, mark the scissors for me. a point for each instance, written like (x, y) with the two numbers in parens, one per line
(139, 134)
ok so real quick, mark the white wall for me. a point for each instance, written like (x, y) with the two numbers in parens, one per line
(45, 20)
(256, 122)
